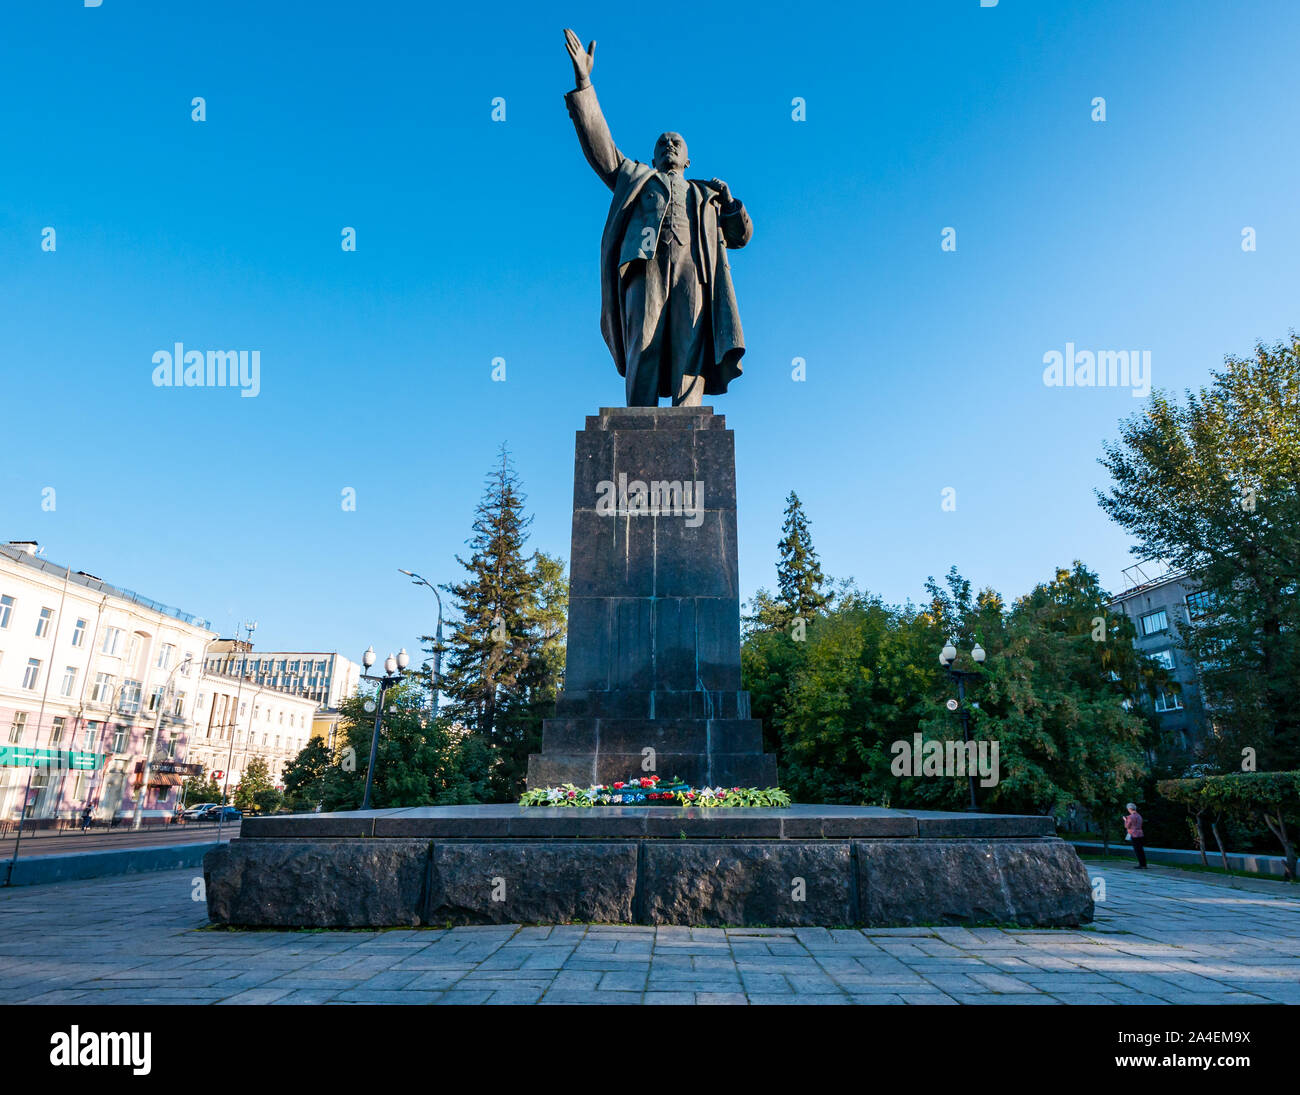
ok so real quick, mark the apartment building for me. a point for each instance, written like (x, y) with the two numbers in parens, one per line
(93, 678)
(1159, 607)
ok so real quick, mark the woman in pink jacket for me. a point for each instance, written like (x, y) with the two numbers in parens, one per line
(1133, 826)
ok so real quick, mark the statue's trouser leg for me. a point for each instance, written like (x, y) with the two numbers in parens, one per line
(687, 327)
(644, 330)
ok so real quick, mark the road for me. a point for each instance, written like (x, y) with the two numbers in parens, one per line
(40, 842)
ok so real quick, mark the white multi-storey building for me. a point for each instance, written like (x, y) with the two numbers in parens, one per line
(327, 679)
(91, 678)
(239, 719)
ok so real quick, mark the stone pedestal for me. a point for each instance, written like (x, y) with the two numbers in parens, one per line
(652, 672)
(828, 866)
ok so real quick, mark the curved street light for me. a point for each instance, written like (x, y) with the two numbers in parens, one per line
(437, 640)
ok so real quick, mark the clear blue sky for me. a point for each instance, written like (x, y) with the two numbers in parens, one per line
(479, 240)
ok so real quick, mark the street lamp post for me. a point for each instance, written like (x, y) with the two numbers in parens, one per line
(946, 658)
(151, 746)
(249, 628)
(394, 673)
(437, 643)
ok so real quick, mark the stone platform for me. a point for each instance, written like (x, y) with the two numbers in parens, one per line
(801, 866)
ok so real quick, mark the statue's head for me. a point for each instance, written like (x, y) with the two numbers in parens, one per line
(670, 152)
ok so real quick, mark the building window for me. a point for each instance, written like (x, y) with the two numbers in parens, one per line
(102, 692)
(1200, 604)
(18, 726)
(43, 623)
(1154, 622)
(165, 653)
(1168, 701)
(69, 681)
(79, 633)
(6, 608)
(32, 674)
(156, 700)
(178, 708)
(89, 744)
(56, 732)
(1164, 658)
(119, 739)
(132, 693)
(112, 640)
(171, 745)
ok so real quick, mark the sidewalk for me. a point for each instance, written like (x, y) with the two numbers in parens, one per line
(1160, 936)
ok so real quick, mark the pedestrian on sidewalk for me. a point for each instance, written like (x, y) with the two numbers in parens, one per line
(1133, 830)
(85, 818)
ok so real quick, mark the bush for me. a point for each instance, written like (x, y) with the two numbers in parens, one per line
(1272, 798)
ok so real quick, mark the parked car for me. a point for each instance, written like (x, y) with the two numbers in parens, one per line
(229, 813)
(199, 812)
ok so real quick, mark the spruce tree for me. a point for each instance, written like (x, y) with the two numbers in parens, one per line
(496, 636)
(798, 573)
(532, 697)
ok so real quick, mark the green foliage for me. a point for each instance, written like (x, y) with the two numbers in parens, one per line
(197, 791)
(798, 571)
(304, 776)
(798, 575)
(1212, 486)
(419, 762)
(267, 802)
(507, 650)
(1270, 797)
(253, 785)
(1061, 705)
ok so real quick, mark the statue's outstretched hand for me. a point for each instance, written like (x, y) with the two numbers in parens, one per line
(583, 60)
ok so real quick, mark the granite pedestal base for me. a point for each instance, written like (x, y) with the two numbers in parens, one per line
(652, 663)
(802, 866)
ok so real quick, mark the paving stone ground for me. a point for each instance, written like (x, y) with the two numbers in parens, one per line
(1160, 936)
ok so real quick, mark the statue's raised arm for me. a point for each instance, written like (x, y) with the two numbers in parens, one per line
(593, 133)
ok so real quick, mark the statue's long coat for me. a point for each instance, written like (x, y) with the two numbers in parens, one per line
(714, 231)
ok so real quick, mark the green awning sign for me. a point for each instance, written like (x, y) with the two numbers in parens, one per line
(22, 756)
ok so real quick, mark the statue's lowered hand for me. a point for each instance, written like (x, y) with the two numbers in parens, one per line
(583, 60)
